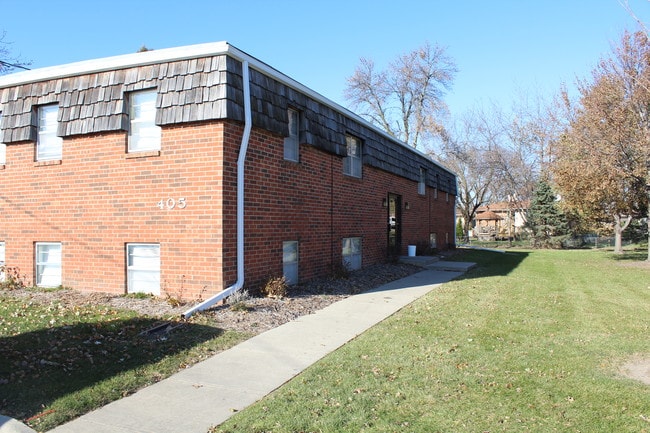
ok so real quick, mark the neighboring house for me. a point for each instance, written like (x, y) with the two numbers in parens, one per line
(500, 220)
(133, 173)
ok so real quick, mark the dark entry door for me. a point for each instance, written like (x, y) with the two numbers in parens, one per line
(394, 225)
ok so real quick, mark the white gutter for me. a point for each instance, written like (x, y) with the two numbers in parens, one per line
(241, 160)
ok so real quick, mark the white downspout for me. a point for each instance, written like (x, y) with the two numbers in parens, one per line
(240, 203)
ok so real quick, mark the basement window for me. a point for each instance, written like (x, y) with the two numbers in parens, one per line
(352, 253)
(49, 147)
(291, 143)
(144, 134)
(48, 264)
(143, 268)
(290, 261)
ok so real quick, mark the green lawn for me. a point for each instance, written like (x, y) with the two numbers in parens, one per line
(529, 341)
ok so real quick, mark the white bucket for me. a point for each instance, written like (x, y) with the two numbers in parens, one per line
(411, 249)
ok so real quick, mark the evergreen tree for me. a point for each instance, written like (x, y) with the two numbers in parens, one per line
(460, 232)
(545, 220)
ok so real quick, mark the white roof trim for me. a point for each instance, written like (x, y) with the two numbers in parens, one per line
(110, 63)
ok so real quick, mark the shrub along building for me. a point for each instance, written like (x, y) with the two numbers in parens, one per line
(135, 173)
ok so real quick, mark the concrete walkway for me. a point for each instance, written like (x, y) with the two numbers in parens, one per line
(208, 393)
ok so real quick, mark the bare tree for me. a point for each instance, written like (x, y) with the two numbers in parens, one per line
(466, 151)
(515, 145)
(406, 99)
(7, 61)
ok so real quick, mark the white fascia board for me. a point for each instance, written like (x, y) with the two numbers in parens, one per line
(112, 63)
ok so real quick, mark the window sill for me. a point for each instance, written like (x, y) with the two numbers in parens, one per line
(144, 154)
(2, 166)
(48, 163)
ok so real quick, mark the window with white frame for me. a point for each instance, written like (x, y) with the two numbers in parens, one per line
(352, 162)
(433, 240)
(290, 261)
(144, 134)
(3, 147)
(143, 268)
(292, 142)
(49, 147)
(2, 261)
(422, 186)
(352, 253)
(48, 264)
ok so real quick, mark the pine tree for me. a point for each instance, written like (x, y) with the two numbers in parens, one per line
(544, 218)
(460, 232)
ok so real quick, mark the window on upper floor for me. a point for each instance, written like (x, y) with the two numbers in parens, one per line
(292, 142)
(143, 268)
(144, 134)
(48, 264)
(49, 146)
(351, 253)
(352, 162)
(435, 191)
(290, 261)
(422, 186)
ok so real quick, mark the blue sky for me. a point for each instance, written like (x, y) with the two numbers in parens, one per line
(502, 47)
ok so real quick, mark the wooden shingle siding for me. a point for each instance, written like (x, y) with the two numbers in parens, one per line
(325, 128)
(199, 89)
(188, 91)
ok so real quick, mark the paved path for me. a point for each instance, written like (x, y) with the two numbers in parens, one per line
(208, 393)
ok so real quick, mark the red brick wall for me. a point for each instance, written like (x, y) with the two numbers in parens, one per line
(314, 203)
(99, 198)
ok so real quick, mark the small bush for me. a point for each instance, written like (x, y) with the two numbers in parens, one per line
(12, 278)
(341, 271)
(173, 301)
(238, 300)
(138, 295)
(275, 287)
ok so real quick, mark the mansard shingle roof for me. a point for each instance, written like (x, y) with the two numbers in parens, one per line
(194, 84)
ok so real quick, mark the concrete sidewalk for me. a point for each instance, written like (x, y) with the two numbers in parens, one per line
(210, 392)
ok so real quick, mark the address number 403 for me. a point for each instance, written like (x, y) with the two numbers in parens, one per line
(171, 203)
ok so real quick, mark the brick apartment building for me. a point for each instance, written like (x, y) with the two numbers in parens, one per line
(131, 173)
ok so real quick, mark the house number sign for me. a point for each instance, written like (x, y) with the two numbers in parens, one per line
(172, 203)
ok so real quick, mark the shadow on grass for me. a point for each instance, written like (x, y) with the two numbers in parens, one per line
(489, 263)
(38, 367)
(636, 255)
